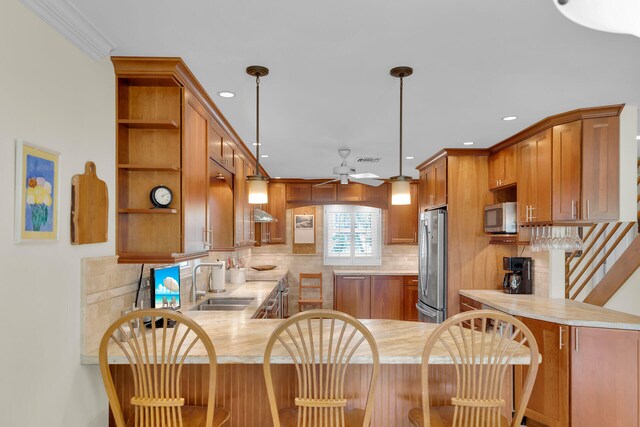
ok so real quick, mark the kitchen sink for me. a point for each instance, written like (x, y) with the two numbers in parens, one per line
(223, 304)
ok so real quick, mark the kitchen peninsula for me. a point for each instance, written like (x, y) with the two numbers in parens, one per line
(240, 342)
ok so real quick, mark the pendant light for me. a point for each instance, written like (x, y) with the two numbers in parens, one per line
(257, 184)
(400, 185)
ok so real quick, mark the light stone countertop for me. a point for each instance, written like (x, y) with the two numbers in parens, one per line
(557, 310)
(375, 273)
(239, 339)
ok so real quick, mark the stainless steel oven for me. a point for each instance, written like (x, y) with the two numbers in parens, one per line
(500, 218)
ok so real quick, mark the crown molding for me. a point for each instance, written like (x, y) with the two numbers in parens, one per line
(72, 24)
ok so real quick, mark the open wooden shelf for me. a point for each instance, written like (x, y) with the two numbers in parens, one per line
(141, 167)
(148, 124)
(148, 211)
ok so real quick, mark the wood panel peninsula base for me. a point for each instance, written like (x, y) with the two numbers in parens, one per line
(240, 342)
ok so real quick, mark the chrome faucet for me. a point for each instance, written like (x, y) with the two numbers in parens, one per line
(195, 293)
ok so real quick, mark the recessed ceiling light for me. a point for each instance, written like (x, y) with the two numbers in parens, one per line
(468, 143)
(409, 157)
(226, 94)
(255, 143)
(277, 177)
(264, 155)
(638, 137)
(509, 118)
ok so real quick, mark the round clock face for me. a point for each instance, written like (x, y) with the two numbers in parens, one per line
(161, 196)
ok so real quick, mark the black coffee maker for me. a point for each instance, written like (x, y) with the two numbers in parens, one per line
(518, 278)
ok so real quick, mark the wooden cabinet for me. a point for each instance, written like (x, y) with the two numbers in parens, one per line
(587, 376)
(502, 167)
(566, 160)
(410, 290)
(157, 143)
(402, 221)
(604, 377)
(534, 179)
(239, 197)
(228, 155)
(277, 207)
(549, 401)
(377, 296)
(352, 295)
(377, 194)
(248, 229)
(435, 184)
(387, 297)
(195, 176)
(324, 193)
(221, 204)
(350, 192)
(298, 192)
(600, 163)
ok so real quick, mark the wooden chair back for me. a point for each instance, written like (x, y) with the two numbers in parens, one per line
(321, 344)
(304, 290)
(481, 362)
(156, 358)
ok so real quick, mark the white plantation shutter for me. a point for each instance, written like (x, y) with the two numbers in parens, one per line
(352, 235)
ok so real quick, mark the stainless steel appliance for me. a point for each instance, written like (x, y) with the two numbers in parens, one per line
(432, 268)
(500, 218)
(518, 279)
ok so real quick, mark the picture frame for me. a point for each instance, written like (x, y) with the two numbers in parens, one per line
(37, 193)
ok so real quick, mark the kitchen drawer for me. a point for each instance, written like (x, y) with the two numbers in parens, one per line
(468, 304)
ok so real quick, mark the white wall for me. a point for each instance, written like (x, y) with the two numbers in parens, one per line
(53, 95)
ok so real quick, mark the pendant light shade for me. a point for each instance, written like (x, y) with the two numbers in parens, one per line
(400, 185)
(400, 191)
(257, 187)
(257, 184)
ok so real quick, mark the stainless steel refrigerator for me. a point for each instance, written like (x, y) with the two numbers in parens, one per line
(432, 268)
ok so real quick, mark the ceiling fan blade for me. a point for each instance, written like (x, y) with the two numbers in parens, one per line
(326, 182)
(367, 181)
(364, 175)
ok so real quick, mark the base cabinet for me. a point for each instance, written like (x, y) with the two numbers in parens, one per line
(587, 376)
(377, 296)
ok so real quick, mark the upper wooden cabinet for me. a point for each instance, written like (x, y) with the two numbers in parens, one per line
(324, 192)
(195, 176)
(299, 192)
(161, 139)
(277, 207)
(434, 178)
(601, 169)
(503, 167)
(402, 221)
(566, 172)
(534, 179)
(350, 192)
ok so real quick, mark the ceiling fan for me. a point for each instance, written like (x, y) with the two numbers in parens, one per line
(348, 174)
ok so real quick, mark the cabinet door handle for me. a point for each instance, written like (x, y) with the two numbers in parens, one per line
(561, 337)
(577, 345)
(353, 277)
(573, 209)
(526, 214)
(531, 217)
(588, 210)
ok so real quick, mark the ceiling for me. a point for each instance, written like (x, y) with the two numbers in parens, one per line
(329, 86)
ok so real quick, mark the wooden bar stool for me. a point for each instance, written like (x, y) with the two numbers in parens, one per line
(313, 299)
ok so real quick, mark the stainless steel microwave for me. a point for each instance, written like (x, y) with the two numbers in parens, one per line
(500, 218)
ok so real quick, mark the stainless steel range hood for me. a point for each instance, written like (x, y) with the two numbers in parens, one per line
(261, 216)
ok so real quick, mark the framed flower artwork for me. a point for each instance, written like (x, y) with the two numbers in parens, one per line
(37, 193)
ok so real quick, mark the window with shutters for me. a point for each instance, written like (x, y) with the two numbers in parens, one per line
(352, 235)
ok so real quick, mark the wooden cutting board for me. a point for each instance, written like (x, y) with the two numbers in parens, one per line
(89, 207)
